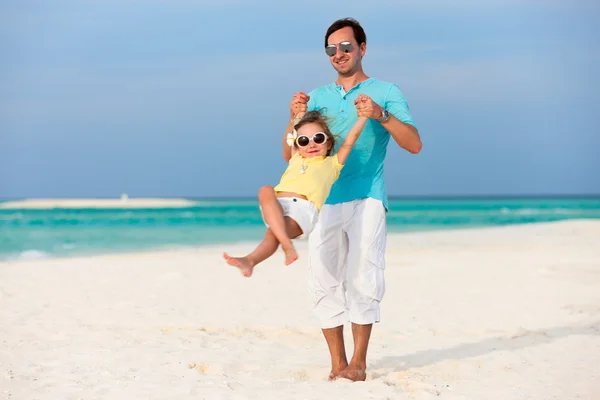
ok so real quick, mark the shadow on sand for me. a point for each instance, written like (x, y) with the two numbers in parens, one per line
(519, 340)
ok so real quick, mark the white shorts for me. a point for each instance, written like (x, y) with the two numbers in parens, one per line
(347, 262)
(304, 212)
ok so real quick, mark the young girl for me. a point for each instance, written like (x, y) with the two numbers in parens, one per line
(291, 209)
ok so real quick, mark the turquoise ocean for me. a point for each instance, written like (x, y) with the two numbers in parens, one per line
(31, 234)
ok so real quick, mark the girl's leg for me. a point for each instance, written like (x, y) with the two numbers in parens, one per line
(264, 250)
(273, 214)
(269, 244)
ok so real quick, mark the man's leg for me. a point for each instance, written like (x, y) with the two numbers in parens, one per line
(327, 250)
(356, 370)
(365, 284)
(335, 342)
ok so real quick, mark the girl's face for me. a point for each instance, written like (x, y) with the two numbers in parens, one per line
(312, 141)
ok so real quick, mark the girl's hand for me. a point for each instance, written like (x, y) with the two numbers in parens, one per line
(366, 107)
(298, 105)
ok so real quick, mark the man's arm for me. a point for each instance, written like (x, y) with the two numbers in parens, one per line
(287, 150)
(404, 134)
(400, 124)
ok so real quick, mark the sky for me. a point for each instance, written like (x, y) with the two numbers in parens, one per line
(186, 98)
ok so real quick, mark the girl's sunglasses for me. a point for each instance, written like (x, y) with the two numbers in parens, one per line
(345, 47)
(318, 138)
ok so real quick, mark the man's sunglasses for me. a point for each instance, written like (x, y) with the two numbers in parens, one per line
(318, 138)
(345, 47)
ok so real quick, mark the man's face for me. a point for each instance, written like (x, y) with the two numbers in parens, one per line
(345, 63)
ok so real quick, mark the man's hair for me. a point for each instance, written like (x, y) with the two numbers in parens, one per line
(359, 32)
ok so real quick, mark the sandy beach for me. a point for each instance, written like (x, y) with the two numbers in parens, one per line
(498, 313)
(124, 202)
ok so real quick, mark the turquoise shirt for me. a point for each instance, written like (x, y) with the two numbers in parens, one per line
(362, 175)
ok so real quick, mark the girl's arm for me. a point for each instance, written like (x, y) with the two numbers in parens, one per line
(352, 137)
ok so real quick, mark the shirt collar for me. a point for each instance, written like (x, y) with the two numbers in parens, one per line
(340, 88)
(311, 159)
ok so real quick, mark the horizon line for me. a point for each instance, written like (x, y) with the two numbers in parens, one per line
(390, 197)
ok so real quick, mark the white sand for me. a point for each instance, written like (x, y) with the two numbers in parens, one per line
(501, 313)
(97, 203)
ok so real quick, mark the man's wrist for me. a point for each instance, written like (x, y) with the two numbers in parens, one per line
(384, 116)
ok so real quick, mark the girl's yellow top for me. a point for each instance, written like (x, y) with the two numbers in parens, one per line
(310, 177)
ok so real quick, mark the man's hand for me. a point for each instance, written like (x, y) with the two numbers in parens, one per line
(366, 107)
(299, 104)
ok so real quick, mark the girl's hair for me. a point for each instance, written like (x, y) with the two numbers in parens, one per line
(316, 117)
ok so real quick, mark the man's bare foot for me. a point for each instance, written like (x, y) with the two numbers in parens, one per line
(333, 375)
(336, 369)
(290, 255)
(242, 263)
(353, 373)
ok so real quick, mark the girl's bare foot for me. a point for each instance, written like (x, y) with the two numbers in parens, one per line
(242, 263)
(290, 255)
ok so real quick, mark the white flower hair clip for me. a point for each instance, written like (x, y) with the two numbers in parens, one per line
(291, 138)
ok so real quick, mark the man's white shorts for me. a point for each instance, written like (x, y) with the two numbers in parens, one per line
(347, 262)
(304, 212)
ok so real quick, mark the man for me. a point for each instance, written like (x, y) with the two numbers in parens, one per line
(347, 247)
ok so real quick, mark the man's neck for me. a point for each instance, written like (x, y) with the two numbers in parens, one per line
(348, 82)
